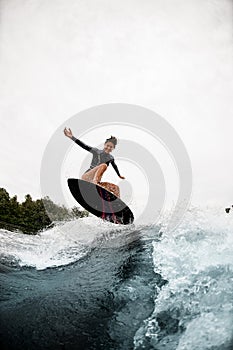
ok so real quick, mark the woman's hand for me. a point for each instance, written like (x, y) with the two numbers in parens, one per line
(68, 133)
(122, 177)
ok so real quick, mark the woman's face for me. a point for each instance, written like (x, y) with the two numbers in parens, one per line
(108, 147)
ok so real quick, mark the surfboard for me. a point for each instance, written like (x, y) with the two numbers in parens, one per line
(100, 202)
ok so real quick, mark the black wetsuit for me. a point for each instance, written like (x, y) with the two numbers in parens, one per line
(99, 156)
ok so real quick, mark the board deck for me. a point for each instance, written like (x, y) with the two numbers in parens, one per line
(100, 202)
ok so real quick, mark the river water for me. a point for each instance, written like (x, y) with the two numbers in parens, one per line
(88, 284)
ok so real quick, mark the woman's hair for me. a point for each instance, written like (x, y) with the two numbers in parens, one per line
(112, 139)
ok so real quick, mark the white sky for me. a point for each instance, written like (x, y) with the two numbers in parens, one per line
(172, 56)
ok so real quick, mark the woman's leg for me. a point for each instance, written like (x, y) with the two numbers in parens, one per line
(99, 173)
(88, 176)
(94, 175)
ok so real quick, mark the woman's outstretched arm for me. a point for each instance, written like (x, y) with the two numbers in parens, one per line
(82, 144)
(69, 134)
(116, 169)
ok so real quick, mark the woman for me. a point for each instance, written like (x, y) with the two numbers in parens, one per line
(99, 163)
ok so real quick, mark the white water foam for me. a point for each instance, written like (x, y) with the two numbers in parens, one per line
(63, 244)
(196, 303)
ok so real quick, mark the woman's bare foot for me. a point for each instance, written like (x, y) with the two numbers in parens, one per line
(95, 182)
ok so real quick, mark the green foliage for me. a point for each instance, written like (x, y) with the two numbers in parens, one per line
(32, 216)
(77, 213)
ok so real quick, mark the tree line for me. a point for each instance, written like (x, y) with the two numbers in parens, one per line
(32, 216)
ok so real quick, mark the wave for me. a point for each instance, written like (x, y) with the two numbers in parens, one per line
(193, 307)
(175, 286)
(60, 245)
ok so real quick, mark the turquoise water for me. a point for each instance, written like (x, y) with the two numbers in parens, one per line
(94, 285)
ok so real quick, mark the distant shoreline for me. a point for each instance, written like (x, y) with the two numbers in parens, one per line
(32, 216)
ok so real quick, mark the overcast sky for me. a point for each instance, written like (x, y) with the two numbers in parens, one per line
(172, 56)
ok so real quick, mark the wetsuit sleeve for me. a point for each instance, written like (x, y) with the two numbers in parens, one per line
(115, 167)
(82, 144)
